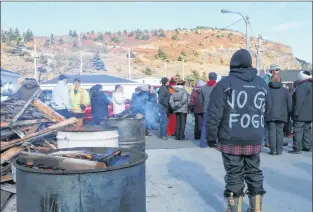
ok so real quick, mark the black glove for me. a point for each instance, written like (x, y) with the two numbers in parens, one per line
(83, 107)
(211, 144)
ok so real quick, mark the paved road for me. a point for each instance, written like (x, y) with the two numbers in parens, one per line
(183, 177)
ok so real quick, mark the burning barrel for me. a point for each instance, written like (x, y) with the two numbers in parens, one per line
(88, 136)
(119, 187)
(131, 132)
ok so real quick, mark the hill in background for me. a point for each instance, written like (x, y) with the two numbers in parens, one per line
(202, 49)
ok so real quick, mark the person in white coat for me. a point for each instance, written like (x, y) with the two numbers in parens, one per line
(118, 100)
(61, 97)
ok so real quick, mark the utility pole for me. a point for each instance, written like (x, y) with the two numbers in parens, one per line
(49, 39)
(35, 61)
(259, 54)
(184, 69)
(165, 73)
(81, 56)
(129, 69)
(247, 34)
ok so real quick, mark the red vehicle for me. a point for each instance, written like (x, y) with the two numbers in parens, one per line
(110, 107)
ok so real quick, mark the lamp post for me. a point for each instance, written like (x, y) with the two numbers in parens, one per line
(246, 19)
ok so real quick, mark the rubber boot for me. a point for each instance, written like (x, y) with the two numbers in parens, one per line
(255, 203)
(234, 203)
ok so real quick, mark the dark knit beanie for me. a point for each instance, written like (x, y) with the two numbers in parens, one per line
(164, 80)
(241, 59)
(212, 76)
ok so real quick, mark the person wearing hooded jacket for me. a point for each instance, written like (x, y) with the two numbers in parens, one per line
(235, 126)
(302, 114)
(140, 105)
(164, 96)
(273, 71)
(204, 99)
(179, 103)
(197, 108)
(99, 104)
(277, 116)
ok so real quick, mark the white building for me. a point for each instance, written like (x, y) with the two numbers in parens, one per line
(154, 81)
(9, 77)
(87, 81)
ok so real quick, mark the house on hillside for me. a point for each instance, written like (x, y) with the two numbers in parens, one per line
(10, 77)
(87, 81)
(154, 81)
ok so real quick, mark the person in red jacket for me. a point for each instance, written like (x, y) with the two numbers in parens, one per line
(197, 108)
(171, 127)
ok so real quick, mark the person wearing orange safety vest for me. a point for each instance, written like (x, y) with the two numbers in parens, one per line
(79, 97)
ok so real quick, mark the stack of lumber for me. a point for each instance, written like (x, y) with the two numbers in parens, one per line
(26, 124)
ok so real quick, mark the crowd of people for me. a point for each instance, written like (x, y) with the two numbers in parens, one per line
(235, 116)
(72, 101)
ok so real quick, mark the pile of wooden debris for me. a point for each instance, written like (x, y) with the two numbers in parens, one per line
(26, 124)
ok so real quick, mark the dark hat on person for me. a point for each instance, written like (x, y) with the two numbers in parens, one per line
(181, 82)
(62, 77)
(76, 79)
(212, 76)
(164, 80)
(241, 59)
(172, 81)
(117, 87)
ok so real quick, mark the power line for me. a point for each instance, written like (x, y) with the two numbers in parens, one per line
(234, 23)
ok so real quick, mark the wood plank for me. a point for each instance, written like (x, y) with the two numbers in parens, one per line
(33, 129)
(6, 178)
(59, 162)
(11, 153)
(22, 123)
(8, 187)
(5, 195)
(5, 168)
(35, 95)
(10, 205)
(48, 111)
(39, 134)
(48, 144)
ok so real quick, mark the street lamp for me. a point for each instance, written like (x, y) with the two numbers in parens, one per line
(246, 19)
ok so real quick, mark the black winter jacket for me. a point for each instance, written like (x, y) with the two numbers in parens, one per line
(99, 105)
(237, 107)
(164, 96)
(281, 103)
(302, 101)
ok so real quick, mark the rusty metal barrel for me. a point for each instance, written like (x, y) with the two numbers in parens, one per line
(118, 188)
(132, 133)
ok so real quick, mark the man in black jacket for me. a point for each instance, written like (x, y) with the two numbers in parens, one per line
(236, 117)
(302, 114)
(277, 116)
(164, 96)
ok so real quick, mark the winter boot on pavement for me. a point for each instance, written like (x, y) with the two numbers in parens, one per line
(234, 203)
(255, 202)
(294, 151)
